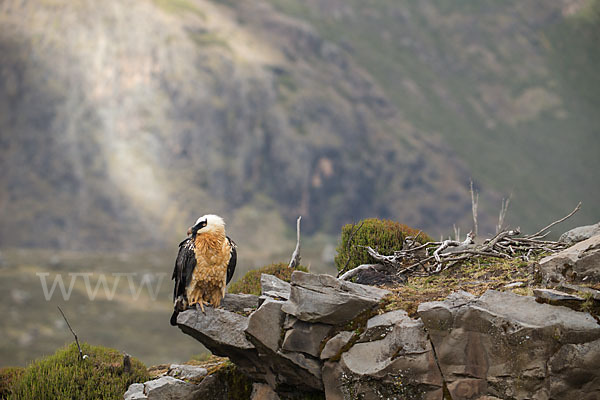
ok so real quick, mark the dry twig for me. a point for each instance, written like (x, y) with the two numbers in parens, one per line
(555, 222)
(81, 355)
(433, 257)
(295, 261)
(474, 205)
(503, 211)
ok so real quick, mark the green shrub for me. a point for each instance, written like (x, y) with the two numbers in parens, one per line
(8, 377)
(383, 235)
(64, 376)
(250, 283)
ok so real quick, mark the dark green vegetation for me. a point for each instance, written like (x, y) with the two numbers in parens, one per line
(250, 283)
(63, 376)
(383, 235)
(8, 377)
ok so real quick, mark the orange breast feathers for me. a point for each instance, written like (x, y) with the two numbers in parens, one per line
(210, 275)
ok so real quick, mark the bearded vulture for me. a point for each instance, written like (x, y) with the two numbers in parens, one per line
(204, 266)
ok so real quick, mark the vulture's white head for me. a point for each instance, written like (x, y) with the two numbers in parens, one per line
(209, 223)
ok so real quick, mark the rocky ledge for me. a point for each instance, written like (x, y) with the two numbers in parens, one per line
(321, 335)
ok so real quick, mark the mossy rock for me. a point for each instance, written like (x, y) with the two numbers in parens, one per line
(64, 376)
(250, 283)
(383, 235)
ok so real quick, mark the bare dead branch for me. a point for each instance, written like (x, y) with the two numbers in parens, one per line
(416, 259)
(295, 261)
(503, 211)
(81, 356)
(555, 222)
(474, 205)
(354, 271)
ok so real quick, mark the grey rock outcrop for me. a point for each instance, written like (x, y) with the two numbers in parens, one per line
(336, 344)
(305, 337)
(392, 359)
(135, 392)
(323, 298)
(163, 388)
(331, 336)
(264, 325)
(243, 303)
(223, 333)
(260, 391)
(574, 371)
(578, 263)
(501, 344)
(555, 297)
(217, 327)
(182, 371)
(580, 233)
(274, 287)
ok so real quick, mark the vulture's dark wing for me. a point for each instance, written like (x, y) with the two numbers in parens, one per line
(232, 260)
(184, 267)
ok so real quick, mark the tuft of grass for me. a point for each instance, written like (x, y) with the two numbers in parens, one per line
(383, 235)
(250, 283)
(63, 376)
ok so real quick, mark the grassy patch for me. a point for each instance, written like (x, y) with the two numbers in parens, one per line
(64, 376)
(383, 235)
(475, 277)
(250, 283)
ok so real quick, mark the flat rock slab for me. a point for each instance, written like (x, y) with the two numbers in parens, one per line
(555, 296)
(324, 298)
(265, 323)
(305, 337)
(576, 288)
(501, 343)
(336, 344)
(215, 327)
(239, 302)
(580, 234)
(163, 388)
(271, 286)
(183, 371)
(579, 263)
(223, 333)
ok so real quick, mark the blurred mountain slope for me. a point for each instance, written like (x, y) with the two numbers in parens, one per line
(512, 86)
(122, 121)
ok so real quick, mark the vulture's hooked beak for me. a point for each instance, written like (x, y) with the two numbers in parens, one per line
(189, 231)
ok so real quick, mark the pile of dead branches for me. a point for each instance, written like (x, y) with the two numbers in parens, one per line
(433, 257)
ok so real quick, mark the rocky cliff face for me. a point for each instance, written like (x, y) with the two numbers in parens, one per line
(123, 120)
(322, 335)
